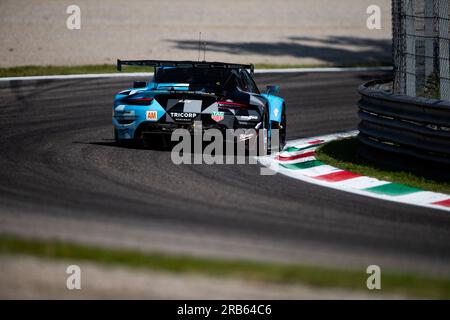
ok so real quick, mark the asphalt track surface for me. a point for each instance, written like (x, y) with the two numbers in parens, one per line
(62, 176)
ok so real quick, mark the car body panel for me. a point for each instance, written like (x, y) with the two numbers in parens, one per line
(177, 105)
(275, 106)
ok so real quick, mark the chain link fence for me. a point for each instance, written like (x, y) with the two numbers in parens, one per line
(421, 48)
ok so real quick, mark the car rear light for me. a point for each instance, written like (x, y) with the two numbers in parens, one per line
(229, 104)
(139, 102)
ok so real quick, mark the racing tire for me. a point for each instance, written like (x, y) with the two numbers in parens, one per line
(161, 142)
(125, 142)
(282, 128)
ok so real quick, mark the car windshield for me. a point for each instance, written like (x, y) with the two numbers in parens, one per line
(208, 79)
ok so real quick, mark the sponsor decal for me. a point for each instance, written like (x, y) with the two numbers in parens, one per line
(218, 116)
(152, 115)
(183, 116)
(247, 118)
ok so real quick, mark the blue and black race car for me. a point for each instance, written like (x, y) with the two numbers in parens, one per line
(220, 95)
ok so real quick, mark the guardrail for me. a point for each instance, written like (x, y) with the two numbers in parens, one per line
(402, 125)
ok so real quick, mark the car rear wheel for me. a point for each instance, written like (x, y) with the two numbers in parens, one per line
(157, 142)
(282, 128)
(116, 136)
(125, 142)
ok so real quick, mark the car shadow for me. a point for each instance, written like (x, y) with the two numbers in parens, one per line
(136, 146)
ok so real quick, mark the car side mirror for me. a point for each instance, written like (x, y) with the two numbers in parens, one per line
(139, 84)
(273, 89)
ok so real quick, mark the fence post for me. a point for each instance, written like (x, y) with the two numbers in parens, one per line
(444, 67)
(398, 47)
(410, 48)
(429, 37)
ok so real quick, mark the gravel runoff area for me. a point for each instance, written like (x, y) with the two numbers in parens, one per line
(271, 32)
(25, 277)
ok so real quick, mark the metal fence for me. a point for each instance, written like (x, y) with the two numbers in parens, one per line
(421, 48)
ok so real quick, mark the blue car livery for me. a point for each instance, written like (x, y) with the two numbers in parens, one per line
(220, 95)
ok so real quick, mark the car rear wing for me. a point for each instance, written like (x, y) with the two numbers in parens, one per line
(194, 64)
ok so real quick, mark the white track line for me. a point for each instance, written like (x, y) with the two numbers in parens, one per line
(150, 74)
(317, 70)
(81, 76)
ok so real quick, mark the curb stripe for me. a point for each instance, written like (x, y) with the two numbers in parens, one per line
(296, 149)
(422, 197)
(295, 157)
(361, 183)
(444, 203)
(338, 176)
(302, 165)
(393, 189)
(317, 171)
(317, 142)
(298, 161)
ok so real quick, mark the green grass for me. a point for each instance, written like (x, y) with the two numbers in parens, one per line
(343, 154)
(62, 70)
(109, 68)
(407, 284)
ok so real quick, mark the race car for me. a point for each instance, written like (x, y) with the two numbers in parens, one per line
(220, 95)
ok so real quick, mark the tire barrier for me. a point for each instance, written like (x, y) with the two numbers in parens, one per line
(416, 129)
